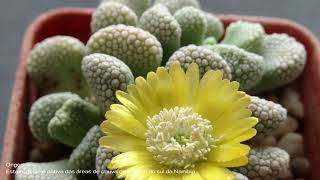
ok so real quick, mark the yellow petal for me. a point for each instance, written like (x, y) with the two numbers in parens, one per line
(192, 176)
(214, 101)
(130, 158)
(142, 99)
(212, 172)
(226, 96)
(121, 174)
(180, 83)
(120, 117)
(155, 177)
(132, 173)
(208, 87)
(239, 128)
(128, 173)
(192, 76)
(228, 152)
(237, 109)
(173, 176)
(122, 143)
(152, 79)
(165, 177)
(239, 95)
(134, 163)
(133, 106)
(243, 137)
(208, 82)
(146, 93)
(110, 129)
(239, 102)
(138, 172)
(228, 120)
(234, 163)
(165, 89)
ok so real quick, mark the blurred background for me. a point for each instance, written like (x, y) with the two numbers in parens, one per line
(15, 15)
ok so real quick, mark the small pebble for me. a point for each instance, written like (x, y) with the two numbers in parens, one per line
(300, 167)
(287, 176)
(269, 141)
(293, 144)
(292, 102)
(290, 125)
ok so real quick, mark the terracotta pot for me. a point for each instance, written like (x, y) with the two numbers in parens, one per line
(75, 22)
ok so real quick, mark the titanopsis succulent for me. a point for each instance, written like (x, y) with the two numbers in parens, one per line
(159, 22)
(43, 110)
(103, 158)
(175, 5)
(239, 176)
(215, 27)
(209, 41)
(112, 13)
(193, 23)
(247, 68)
(245, 35)
(83, 156)
(284, 61)
(45, 171)
(72, 121)
(205, 58)
(266, 163)
(138, 6)
(106, 74)
(271, 116)
(139, 49)
(54, 65)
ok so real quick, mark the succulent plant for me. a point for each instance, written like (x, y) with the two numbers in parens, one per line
(215, 27)
(129, 39)
(175, 5)
(57, 170)
(247, 68)
(271, 116)
(266, 163)
(246, 35)
(159, 22)
(83, 156)
(292, 143)
(290, 125)
(138, 6)
(285, 59)
(72, 121)
(300, 167)
(105, 74)
(112, 13)
(43, 110)
(239, 176)
(205, 58)
(139, 49)
(193, 24)
(103, 158)
(209, 41)
(54, 65)
(291, 100)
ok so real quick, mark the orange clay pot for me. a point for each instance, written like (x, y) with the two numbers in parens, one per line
(76, 22)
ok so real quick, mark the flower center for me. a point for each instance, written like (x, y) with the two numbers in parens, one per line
(178, 137)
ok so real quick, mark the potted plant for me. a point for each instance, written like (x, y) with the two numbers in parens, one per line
(81, 24)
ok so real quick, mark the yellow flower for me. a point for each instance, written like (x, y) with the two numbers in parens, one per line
(173, 125)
